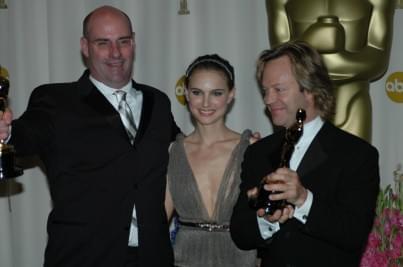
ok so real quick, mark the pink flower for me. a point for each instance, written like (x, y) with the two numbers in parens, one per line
(377, 222)
(386, 212)
(385, 242)
(380, 260)
(401, 221)
(394, 216)
(396, 248)
(374, 240)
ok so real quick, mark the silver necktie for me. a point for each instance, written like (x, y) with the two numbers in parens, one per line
(126, 114)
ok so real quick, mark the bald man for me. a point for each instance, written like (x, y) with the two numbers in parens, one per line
(106, 167)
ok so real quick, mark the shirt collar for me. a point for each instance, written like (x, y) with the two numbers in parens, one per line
(106, 90)
(311, 129)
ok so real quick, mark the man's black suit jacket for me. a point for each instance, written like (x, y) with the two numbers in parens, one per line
(342, 172)
(96, 176)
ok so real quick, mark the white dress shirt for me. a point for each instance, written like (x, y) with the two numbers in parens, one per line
(311, 129)
(134, 99)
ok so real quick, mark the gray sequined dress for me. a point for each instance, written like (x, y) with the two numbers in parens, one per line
(196, 247)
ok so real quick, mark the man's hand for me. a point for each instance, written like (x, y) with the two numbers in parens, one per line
(280, 216)
(5, 121)
(255, 137)
(287, 183)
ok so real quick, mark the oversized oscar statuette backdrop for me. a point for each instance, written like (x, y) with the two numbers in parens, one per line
(8, 169)
(354, 39)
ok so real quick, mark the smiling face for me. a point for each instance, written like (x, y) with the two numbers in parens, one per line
(208, 96)
(109, 47)
(283, 95)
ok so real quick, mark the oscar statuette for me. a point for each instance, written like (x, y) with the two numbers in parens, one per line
(292, 135)
(8, 169)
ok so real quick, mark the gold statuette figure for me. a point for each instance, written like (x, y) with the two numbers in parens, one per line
(8, 169)
(354, 39)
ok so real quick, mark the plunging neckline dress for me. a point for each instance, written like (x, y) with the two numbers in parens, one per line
(196, 246)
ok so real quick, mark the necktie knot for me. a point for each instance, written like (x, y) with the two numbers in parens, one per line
(120, 97)
(126, 114)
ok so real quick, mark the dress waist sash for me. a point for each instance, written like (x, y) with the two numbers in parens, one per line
(210, 227)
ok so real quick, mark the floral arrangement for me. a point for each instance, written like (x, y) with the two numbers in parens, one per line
(385, 242)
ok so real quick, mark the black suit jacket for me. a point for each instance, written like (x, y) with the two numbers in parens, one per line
(342, 172)
(96, 176)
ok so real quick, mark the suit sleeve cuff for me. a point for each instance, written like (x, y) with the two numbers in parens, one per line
(301, 213)
(267, 229)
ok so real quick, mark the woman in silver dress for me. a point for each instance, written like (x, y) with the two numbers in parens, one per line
(204, 170)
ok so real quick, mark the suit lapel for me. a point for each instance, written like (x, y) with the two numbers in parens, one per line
(96, 100)
(93, 98)
(316, 153)
(314, 156)
(146, 111)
